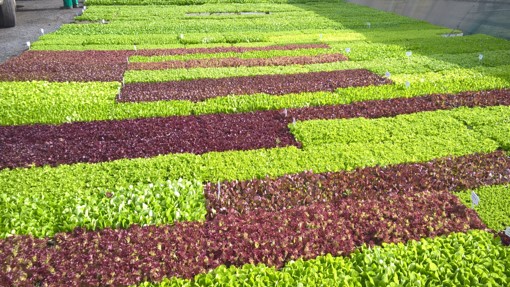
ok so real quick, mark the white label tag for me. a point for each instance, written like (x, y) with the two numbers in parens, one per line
(474, 198)
(409, 53)
(480, 57)
(28, 44)
(347, 50)
(387, 74)
(42, 31)
(507, 231)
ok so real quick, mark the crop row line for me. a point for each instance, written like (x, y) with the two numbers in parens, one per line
(103, 141)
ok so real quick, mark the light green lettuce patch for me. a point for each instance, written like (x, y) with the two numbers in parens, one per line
(42, 213)
(494, 206)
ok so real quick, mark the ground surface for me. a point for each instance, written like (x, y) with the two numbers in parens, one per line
(32, 16)
(491, 17)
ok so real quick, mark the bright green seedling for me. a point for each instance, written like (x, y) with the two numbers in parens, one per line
(494, 205)
(43, 213)
(395, 130)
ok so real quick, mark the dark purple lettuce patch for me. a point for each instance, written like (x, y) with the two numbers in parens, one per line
(505, 239)
(212, 50)
(201, 89)
(62, 66)
(109, 140)
(106, 66)
(393, 107)
(290, 191)
(124, 257)
(237, 62)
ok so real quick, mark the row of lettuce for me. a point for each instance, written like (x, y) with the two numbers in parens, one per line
(128, 256)
(425, 71)
(54, 103)
(124, 25)
(42, 213)
(403, 65)
(163, 41)
(413, 138)
(119, 28)
(460, 259)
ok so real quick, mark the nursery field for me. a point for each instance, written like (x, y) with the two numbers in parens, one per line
(263, 143)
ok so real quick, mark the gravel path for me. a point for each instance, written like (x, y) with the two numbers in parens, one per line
(32, 16)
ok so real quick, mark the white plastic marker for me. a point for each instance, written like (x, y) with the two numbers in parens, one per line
(408, 84)
(28, 44)
(42, 31)
(387, 74)
(134, 47)
(507, 231)
(480, 57)
(347, 50)
(293, 121)
(103, 21)
(181, 36)
(368, 24)
(285, 112)
(409, 53)
(475, 200)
